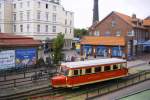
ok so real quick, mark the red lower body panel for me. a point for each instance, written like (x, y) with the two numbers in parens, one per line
(97, 77)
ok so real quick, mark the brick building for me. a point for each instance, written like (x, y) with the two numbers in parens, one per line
(131, 30)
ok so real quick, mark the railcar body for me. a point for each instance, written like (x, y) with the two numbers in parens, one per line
(72, 74)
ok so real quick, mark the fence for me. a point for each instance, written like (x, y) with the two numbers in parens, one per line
(25, 80)
(128, 81)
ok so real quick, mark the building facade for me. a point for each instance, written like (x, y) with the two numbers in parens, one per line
(135, 31)
(40, 19)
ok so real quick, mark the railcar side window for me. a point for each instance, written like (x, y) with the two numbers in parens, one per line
(123, 64)
(87, 71)
(107, 68)
(97, 69)
(75, 72)
(115, 67)
(119, 66)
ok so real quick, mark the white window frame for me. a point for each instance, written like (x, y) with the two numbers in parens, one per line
(28, 15)
(46, 28)
(21, 16)
(38, 15)
(38, 28)
(14, 28)
(28, 27)
(21, 28)
(53, 28)
(54, 17)
(47, 15)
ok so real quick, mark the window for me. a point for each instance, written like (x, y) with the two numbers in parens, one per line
(87, 71)
(20, 4)
(46, 14)
(14, 17)
(118, 33)
(14, 28)
(46, 28)
(28, 15)
(38, 15)
(65, 21)
(21, 28)
(106, 68)
(107, 33)
(28, 27)
(14, 5)
(65, 30)
(38, 28)
(54, 28)
(0, 15)
(113, 23)
(39, 4)
(70, 23)
(70, 30)
(21, 16)
(54, 17)
(115, 67)
(97, 69)
(132, 33)
(0, 29)
(46, 6)
(28, 3)
(64, 71)
(97, 33)
(54, 8)
(75, 72)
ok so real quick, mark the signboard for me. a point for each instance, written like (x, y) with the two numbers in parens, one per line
(7, 59)
(25, 57)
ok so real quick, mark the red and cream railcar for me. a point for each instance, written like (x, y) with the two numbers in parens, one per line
(73, 74)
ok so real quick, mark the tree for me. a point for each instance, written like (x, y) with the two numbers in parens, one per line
(58, 43)
(80, 32)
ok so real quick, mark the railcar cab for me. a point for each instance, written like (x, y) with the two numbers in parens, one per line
(60, 79)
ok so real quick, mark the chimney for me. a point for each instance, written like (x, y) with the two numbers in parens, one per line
(95, 12)
(133, 16)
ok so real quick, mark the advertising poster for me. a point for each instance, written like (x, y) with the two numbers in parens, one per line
(7, 59)
(25, 57)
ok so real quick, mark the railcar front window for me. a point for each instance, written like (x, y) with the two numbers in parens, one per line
(64, 71)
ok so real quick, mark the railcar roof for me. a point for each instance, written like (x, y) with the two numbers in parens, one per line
(92, 62)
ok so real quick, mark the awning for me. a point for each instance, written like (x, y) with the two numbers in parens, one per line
(103, 40)
(146, 43)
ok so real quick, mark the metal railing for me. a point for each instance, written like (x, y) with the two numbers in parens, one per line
(128, 81)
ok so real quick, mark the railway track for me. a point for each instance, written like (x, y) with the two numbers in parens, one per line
(63, 92)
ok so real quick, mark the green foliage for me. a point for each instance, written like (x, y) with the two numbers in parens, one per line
(58, 43)
(80, 32)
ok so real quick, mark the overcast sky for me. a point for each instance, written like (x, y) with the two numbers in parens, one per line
(83, 9)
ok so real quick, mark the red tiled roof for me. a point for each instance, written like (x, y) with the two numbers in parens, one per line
(10, 40)
(124, 17)
(146, 22)
(103, 40)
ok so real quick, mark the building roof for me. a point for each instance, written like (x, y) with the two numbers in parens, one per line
(128, 19)
(103, 40)
(10, 40)
(146, 22)
(93, 62)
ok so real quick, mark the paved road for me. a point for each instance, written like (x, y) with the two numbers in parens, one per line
(126, 91)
